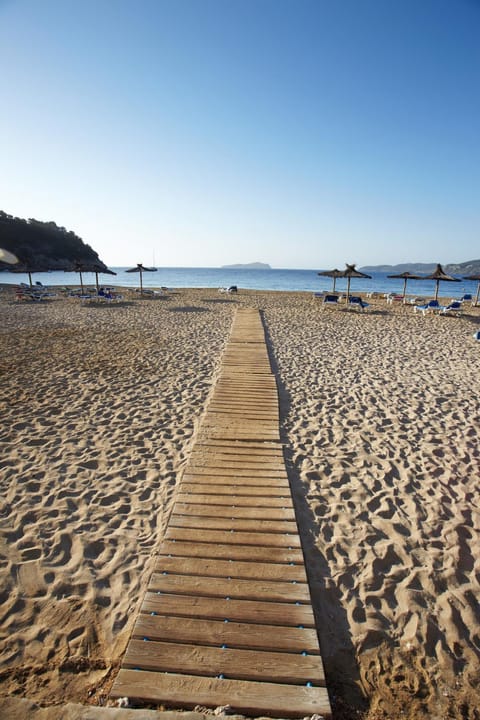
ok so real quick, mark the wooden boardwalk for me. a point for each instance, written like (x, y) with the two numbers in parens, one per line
(227, 617)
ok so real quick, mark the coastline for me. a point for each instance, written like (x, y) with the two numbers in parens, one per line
(276, 279)
(100, 406)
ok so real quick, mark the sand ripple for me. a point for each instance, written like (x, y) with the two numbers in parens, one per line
(99, 407)
(380, 420)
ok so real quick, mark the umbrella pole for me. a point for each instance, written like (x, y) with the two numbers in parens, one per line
(30, 278)
(348, 288)
(404, 289)
(478, 293)
(334, 281)
(96, 282)
(141, 283)
(437, 283)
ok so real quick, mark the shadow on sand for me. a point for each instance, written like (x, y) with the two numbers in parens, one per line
(220, 300)
(341, 670)
(97, 304)
(188, 309)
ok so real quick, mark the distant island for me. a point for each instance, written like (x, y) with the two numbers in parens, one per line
(247, 266)
(471, 267)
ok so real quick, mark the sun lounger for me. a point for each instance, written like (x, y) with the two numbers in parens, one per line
(432, 306)
(330, 300)
(231, 289)
(416, 301)
(27, 293)
(357, 303)
(109, 295)
(455, 308)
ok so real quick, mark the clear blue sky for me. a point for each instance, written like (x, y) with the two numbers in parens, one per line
(302, 133)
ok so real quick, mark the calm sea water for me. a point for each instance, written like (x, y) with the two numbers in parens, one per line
(294, 280)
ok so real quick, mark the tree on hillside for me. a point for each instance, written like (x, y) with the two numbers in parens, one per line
(43, 245)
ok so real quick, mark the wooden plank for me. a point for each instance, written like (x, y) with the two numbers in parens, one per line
(248, 382)
(249, 698)
(237, 393)
(256, 513)
(259, 411)
(243, 447)
(237, 488)
(245, 428)
(230, 568)
(263, 470)
(236, 466)
(248, 611)
(228, 469)
(243, 413)
(188, 659)
(236, 524)
(194, 471)
(233, 500)
(230, 399)
(233, 459)
(234, 634)
(231, 537)
(258, 589)
(244, 481)
(242, 393)
(235, 434)
(213, 481)
(231, 552)
(257, 426)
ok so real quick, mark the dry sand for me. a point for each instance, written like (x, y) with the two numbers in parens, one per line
(380, 416)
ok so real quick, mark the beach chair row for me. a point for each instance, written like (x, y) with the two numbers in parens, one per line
(354, 302)
(433, 306)
(34, 293)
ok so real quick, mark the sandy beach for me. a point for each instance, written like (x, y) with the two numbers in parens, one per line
(380, 415)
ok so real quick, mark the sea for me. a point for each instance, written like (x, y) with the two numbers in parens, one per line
(246, 278)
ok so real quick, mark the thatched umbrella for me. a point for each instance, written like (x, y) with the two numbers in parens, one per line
(140, 269)
(351, 272)
(438, 275)
(28, 268)
(405, 276)
(93, 267)
(332, 274)
(477, 278)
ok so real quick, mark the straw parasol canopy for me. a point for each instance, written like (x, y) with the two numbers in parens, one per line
(477, 278)
(405, 276)
(140, 269)
(28, 268)
(351, 272)
(92, 267)
(332, 274)
(440, 275)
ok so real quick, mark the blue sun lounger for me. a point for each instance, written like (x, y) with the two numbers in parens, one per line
(357, 303)
(330, 300)
(432, 306)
